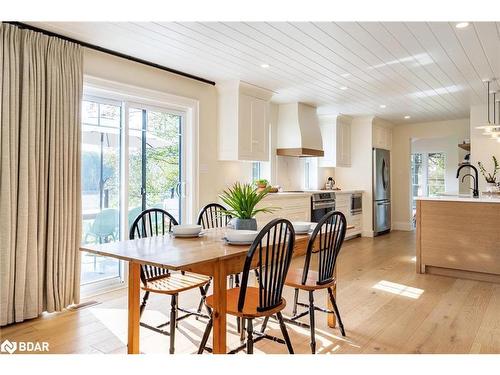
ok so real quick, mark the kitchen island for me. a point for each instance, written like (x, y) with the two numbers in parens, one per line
(459, 236)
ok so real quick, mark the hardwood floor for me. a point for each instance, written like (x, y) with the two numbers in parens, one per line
(385, 305)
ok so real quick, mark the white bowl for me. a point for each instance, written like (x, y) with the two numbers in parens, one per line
(187, 229)
(301, 226)
(241, 235)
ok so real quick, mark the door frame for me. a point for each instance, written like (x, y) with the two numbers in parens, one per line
(128, 94)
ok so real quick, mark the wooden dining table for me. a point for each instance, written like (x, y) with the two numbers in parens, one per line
(207, 254)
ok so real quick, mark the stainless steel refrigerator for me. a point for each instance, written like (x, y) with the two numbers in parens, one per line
(381, 191)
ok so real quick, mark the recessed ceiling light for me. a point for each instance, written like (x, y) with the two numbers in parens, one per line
(462, 25)
(382, 106)
(407, 117)
(343, 88)
(265, 66)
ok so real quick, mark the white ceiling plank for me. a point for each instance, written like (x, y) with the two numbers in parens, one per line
(430, 71)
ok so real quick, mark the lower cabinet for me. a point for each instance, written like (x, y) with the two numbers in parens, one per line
(291, 207)
(343, 204)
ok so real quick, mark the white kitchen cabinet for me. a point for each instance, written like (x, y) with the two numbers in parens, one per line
(336, 135)
(294, 207)
(343, 204)
(382, 137)
(243, 122)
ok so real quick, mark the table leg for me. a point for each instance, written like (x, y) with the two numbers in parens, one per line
(134, 292)
(219, 311)
(331, 320)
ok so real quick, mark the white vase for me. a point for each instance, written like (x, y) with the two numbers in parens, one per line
(491, 187)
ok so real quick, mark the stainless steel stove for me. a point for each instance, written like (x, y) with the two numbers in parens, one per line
(321, 203)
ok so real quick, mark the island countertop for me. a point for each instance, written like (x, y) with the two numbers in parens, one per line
(459, 237)
(483, 198)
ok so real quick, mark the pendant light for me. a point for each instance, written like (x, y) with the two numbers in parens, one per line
(490, 128)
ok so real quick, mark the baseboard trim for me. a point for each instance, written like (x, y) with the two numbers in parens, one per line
(367, 233)
(402, 225)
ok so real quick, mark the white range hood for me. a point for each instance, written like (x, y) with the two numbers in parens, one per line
(298, 131)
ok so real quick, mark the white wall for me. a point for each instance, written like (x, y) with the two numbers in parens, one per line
(214, 175)
(401, 149)
(482, 147)
(359, 175)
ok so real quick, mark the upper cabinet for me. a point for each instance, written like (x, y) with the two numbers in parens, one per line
(336, 134)
(243, 122)
(382, 136)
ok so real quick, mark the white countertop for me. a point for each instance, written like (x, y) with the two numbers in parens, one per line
(462, 198)
(322, 191)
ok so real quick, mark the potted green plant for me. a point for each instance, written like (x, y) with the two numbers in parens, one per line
(261, 184)
(242, 200)
(490, 178)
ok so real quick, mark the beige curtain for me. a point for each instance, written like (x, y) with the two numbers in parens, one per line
(40, 209)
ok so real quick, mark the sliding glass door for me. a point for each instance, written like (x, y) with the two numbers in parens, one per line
(154, 177)
(101, 141)
(155, 162)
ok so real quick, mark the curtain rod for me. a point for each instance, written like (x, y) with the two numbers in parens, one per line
(110, 52)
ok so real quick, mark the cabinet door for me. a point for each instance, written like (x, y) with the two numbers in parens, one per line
(260, 130)
(343, 145)
(345, 156)
(244, 127)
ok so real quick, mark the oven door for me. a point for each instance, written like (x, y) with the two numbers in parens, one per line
(356, 204)
(319, 210)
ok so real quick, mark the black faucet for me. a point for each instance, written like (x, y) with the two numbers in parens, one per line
(475, 191)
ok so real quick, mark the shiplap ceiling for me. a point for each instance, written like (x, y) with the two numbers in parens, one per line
(429, 71)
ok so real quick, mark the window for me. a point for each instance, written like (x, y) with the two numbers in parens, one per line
(307, 174)
(256, 170)
(427, 175)
(435, 173)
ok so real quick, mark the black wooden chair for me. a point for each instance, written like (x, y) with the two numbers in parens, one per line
(325, 243)
(154, 222)
(271, 253)
(213, 215)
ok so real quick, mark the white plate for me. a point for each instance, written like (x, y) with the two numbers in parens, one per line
(304, 232)
(188, 235)
(301, 226)
(187, 229)
(241, 235)
(237, 242)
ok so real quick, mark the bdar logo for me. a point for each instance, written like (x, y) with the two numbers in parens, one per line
(8, 347)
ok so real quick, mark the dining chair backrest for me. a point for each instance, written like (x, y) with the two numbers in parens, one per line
(132, 215)
(105, 222)
(270, 253)
(325, 241)
(213, 215)
(152, 222)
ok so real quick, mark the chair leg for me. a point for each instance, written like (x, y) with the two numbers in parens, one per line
(237, 280)
(242, 329)
(295, 300)
(203, 292)
(264, 324)
(143, 304)
(311, 318)
(204, 339)
(173, 314)
(284, 332)
(249, 336)
(337, 312)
